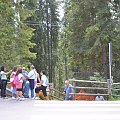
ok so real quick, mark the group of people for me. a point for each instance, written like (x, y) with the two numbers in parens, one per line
(23, 83)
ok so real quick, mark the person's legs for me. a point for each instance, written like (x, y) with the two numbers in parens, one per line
(27, 89)
(45, 93)
(19, 94)
(32, 93)
(31, 81)
(23, 87)
(44, 90)
(13, 92)
(3, 89)
(37, 89)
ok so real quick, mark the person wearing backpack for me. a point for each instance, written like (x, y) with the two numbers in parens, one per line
(18, 81)
(43, 85)
(4, 81)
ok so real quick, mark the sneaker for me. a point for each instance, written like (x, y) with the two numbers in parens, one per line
(5, 97)
(26, 97)
(22, 99)
(37, 98)
(13, 98)
(33, 98)
(18, 98)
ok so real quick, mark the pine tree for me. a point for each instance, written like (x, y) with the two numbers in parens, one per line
(45, 22)
(15, 35)
(92, 29)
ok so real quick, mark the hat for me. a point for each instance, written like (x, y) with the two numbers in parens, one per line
(23, 68)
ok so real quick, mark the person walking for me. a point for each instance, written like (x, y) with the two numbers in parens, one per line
(4, 81)
(31, 79)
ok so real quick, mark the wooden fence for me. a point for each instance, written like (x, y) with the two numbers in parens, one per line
(52, 92)
(109, 87)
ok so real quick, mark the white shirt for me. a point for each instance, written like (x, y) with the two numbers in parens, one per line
(43, 78)
(20, 77)
(36, 76)
(3, 76)
(32, 74)
(99, 98)
(12, 77)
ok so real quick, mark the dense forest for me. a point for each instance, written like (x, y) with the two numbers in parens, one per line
(75, 46)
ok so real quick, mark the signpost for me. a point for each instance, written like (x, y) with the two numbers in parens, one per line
(110, 70)
(110, 61)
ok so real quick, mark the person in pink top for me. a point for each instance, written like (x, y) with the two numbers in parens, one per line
(18, 81)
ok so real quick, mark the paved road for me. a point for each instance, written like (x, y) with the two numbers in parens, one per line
(58, 110)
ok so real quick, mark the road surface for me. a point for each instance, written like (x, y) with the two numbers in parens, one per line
(59, 110)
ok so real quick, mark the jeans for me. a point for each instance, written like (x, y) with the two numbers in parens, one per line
(31, 85)
(14, 90)
(3, 88)
(32, 93)
(27, 89)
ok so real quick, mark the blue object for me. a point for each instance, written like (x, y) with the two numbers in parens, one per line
(47, 81)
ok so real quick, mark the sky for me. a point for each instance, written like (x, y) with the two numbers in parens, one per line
(61, 10)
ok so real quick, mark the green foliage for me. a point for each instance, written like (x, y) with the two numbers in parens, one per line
(97, 77)
(15, 36)
(116, 87)
(92, 29)
(114, 98)
(40, 36)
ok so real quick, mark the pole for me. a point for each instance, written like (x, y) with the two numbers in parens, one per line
(110, 61)
(48, 39)
(110, 70)
(65, 46)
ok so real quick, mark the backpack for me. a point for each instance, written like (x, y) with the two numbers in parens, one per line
(16, 80)
(47, 81)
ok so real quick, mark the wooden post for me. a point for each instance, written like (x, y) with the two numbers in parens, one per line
(74, 85)
(109, 87)
(50, 91)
